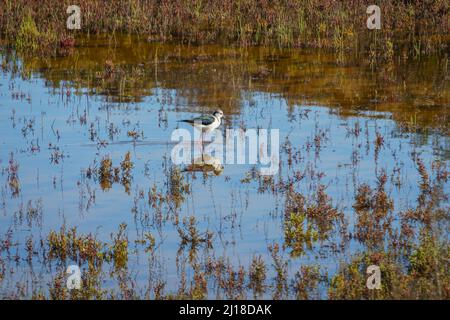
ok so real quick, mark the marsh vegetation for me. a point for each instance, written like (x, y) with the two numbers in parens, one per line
(86, 176)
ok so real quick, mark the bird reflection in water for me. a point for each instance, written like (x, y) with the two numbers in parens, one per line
(205, 163)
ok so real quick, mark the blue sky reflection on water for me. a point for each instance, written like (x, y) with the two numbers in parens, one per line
(243, 219)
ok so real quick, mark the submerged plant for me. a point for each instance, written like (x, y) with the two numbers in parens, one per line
(13, 176)
(126, 166)
(374, 213)
(105, 173)
(119, 249)
(257, 276)
(305, 223)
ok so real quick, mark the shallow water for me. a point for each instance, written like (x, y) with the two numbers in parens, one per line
(61, 116)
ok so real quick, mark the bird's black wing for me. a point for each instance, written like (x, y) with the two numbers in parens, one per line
(204, 120)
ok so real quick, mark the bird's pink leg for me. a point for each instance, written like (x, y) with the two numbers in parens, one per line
(198, 143)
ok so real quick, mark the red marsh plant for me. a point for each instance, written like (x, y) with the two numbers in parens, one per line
(107, 174)
(419, 27)
(374, 212)
(414, 258)
(257, 276)
(305, 223)
(13, 176)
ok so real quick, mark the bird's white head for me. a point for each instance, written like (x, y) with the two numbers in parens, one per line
(218, 114)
